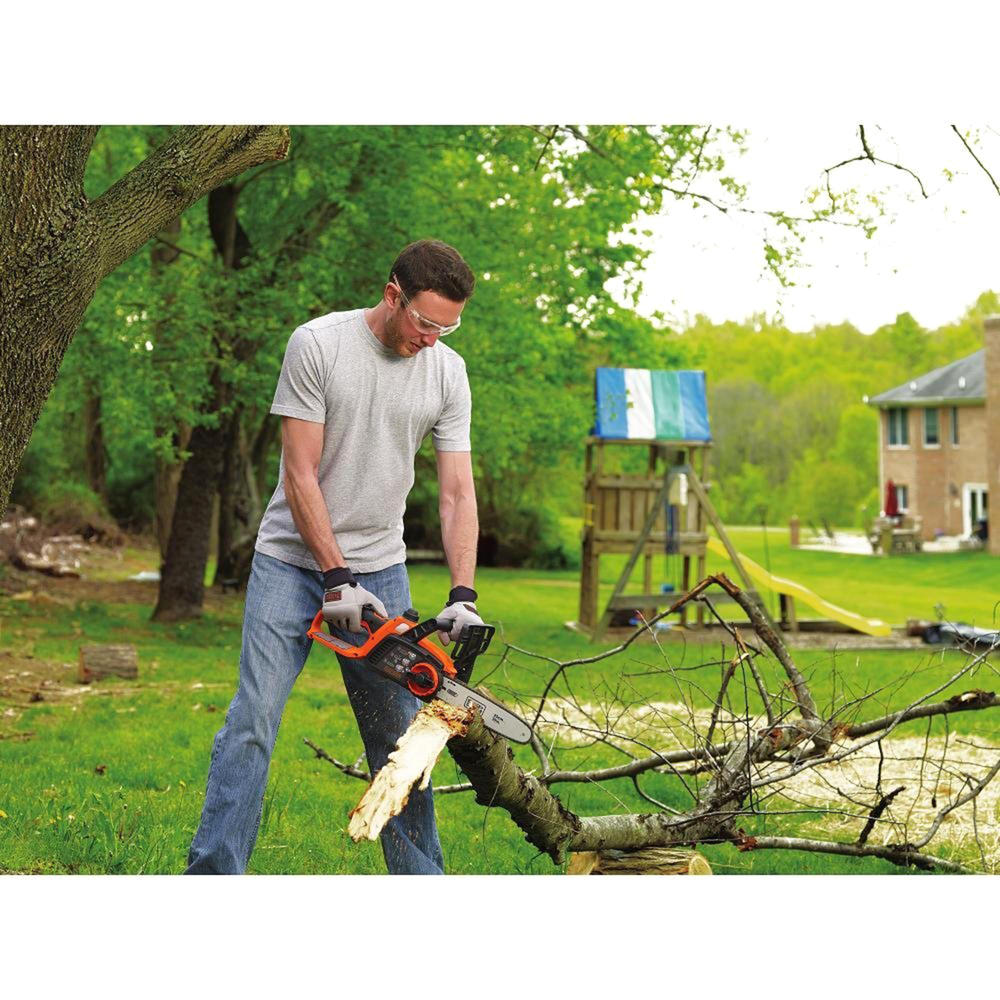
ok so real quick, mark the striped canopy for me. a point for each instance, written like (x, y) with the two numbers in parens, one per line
(642, 404)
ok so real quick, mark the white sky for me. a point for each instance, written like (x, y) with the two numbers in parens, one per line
(799, 80)
(932, 260)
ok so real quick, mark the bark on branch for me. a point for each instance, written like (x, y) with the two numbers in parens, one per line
(192, 162)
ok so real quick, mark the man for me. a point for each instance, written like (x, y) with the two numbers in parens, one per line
(358, 392)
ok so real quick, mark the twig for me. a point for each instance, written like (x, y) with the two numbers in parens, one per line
(876, 812)
(770, 638)
(545, 148)
(649, 798)
(867, 154)
(260, 171)
(349, 769)
(960, 801)
(982, 166)
(563, 665)
(179, 249)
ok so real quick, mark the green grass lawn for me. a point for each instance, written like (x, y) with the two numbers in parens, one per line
(966, 585)
(112, 779)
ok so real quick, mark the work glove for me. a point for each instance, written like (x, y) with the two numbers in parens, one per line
(459, 611)
(344, 598)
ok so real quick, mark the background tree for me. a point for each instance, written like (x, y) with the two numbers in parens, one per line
(177, 359)
(57, 245)
(532, 211)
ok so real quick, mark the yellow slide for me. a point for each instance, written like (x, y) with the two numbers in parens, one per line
(870, 626)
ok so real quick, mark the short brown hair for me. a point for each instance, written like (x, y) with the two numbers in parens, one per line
(433, 266)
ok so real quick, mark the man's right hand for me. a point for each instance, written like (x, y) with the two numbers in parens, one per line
(344, 598)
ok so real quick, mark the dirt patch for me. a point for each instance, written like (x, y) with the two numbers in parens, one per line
(27, 680)
(67, 592)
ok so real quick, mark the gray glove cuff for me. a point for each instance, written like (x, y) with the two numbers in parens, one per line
(458, 594)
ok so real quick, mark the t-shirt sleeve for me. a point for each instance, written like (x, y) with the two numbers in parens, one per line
(301, 385)
(452, 430)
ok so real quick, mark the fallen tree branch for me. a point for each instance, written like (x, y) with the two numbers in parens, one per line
(899, 854)
(349, 769)
(755, 765)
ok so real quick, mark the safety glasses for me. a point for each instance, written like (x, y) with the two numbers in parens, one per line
(421, 322)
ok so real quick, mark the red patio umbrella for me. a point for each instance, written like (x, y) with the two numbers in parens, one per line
(891, 503)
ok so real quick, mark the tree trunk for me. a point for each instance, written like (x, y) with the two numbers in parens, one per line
(96, 662)
(166, 480)
(49, 269)
(56, 245)
(239, 509)
(95, 454)
(239, 504)
(166, 472)
(268, 435)
(182, 578)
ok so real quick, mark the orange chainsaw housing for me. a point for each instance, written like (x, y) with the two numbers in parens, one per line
(424, 676)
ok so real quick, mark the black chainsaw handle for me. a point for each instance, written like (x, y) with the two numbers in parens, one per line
(373, 621)
(422, 630)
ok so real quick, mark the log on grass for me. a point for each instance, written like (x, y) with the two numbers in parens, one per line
(409, 764)
(650, 861)
(107, 661)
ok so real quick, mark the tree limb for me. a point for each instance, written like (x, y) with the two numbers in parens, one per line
(193, 161)
(898, 854)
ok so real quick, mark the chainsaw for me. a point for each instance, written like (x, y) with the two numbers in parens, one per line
(400, 648)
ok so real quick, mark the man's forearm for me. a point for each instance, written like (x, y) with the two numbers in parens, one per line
(312, 519)
(460, 537)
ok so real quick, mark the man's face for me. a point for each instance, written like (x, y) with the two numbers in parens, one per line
(408, 336)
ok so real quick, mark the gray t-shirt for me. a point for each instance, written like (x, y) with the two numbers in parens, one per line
(376, 407)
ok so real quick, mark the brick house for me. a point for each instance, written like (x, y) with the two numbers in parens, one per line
(939, 442)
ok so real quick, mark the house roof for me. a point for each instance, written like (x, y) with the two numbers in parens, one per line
(963, 381)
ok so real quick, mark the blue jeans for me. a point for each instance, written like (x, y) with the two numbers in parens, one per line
(280, 604)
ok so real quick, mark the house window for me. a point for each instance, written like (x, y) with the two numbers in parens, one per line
(899, 433)
(902, 497)
(954, 425)
(932, 435)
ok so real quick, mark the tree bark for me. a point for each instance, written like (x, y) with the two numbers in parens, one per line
(96, 662)
(56, 245)
(239, 508)
(95, 453)
(166, 480)
(214, 456)
(182, 578)
(166, 472)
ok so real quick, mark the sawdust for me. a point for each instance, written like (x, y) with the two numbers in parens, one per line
(933, 772)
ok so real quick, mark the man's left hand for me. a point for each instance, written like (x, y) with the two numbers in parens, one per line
(458, 612)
